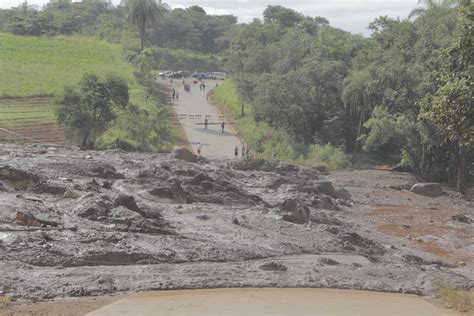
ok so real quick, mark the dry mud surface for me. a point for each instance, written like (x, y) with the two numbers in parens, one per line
(112, 222)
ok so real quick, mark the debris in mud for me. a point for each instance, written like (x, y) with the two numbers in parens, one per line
(295, 211)
(183, 154)
(427, 189)
(106, 171)
(134, 230)
(175, 192)
(273, 266)
(328, 261)
(463, 218)
(26, 219)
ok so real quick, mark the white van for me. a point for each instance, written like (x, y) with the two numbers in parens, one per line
(218, 75)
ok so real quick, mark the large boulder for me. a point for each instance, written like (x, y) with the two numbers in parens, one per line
(183, 154)
(295, 211)
(427, 189)
(175, 192)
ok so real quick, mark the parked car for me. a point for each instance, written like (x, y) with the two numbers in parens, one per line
(219, 75)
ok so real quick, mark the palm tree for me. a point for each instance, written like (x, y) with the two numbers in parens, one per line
(429, 4)
(356, 98)
(144, 14)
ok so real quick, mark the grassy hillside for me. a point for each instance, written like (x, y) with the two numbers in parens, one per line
(42, 66)
(34, 70)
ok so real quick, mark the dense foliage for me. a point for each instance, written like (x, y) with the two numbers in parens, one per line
(406, 90)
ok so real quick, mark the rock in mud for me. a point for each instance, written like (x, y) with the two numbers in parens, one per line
(183, 154)
(325, 202)
(295, 211)
(328, 261)
(427, 189)
(107, 171)
(26, 219)
(463, 218)
(273, 266)
(175, 192)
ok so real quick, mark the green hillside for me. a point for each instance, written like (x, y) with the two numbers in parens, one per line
(32, 66)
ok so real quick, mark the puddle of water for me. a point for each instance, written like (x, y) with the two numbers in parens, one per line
(229, 302)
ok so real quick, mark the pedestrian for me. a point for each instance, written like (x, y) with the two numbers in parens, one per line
(173, 94)
(203, 87)
(205, 123)
(199, 149)
(243, 152)
(247, 153)
(222, 126)
(217, 84)
(236, 152)
(177, 95)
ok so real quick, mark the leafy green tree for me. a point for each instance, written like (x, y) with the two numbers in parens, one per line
(282, 16)
(88, 111)
(451, 107)
(143, 14)
(430, 4)
(357, 100)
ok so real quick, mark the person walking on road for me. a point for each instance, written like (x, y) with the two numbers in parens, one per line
(173, 94)
(247, 153)
(222, 126)
(203, 87)
(242, 153)
(236, 152)
(177, 95)
(205, 123)
(199, 149)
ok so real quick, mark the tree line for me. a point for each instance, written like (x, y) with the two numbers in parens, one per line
(405, 91)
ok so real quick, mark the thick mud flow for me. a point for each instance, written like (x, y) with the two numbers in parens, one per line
(76, 223)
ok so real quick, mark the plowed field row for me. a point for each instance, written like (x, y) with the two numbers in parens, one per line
(30, 120)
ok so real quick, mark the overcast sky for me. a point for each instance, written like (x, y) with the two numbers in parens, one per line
(350, 15)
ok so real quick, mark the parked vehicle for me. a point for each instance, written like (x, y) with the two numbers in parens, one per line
(219, 75)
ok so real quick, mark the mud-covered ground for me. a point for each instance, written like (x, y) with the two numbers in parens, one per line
(76, 223)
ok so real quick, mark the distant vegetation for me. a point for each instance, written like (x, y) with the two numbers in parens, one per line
(311, 90)
(269, 143)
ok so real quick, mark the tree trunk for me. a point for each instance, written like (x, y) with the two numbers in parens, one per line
(357, 139)
(242, 114)
(461, 169)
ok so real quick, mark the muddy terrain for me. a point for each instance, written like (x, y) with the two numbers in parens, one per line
(76, 223)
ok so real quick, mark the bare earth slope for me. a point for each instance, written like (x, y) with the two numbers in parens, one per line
(120, 222)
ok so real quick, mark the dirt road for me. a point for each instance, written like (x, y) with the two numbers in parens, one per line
(192, 109)
(271, 302)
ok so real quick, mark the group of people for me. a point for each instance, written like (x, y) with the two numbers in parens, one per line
(175, 94)
(245, 152)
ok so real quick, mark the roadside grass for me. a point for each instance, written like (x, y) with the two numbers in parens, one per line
(460, 300)
(268, 143)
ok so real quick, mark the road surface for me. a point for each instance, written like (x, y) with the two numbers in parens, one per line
(294, 302)
(192, 108)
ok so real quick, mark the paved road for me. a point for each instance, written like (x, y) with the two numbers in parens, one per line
(229, 302)
(192, 109)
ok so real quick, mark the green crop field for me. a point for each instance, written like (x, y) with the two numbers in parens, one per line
(33, 66)
(34, 70)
